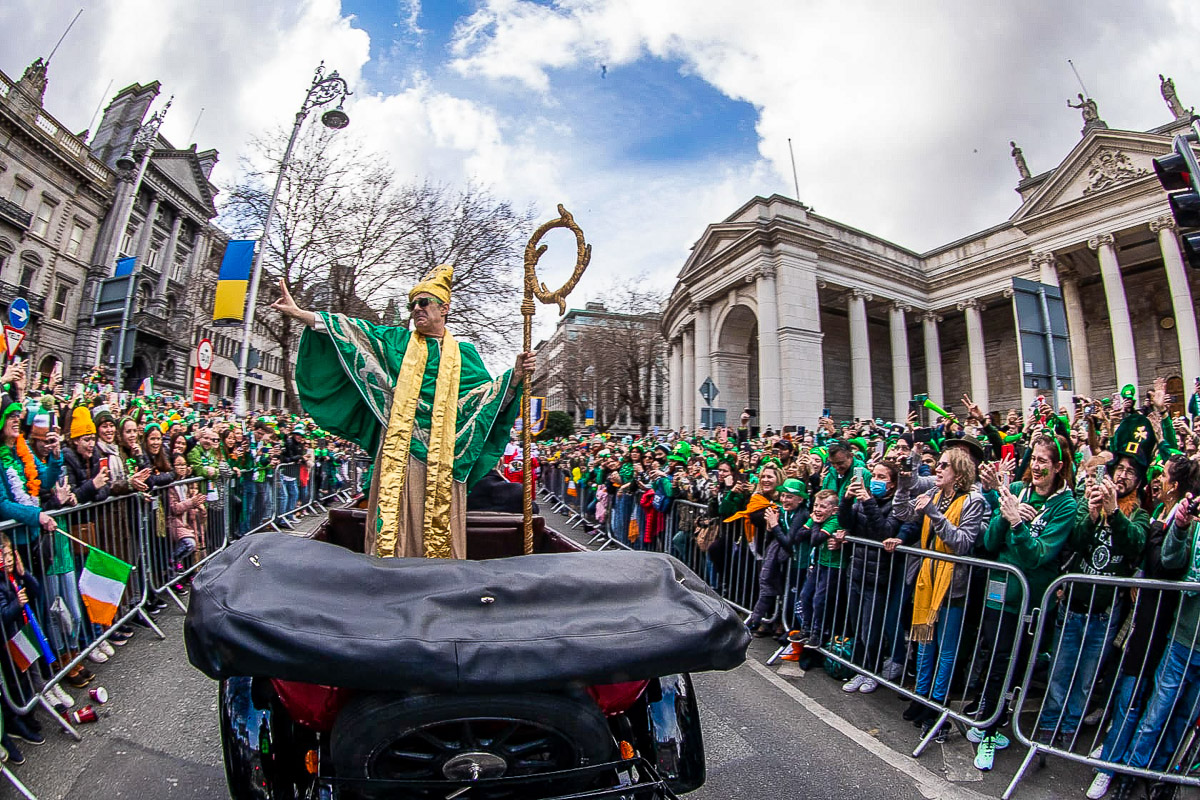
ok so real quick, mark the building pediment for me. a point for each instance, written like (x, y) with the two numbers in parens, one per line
(184, 170)
(1102, 162)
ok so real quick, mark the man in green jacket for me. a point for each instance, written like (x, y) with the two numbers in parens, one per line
(1108, 537)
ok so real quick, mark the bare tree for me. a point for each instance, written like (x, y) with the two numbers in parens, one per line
(611, 363)
(349, 239)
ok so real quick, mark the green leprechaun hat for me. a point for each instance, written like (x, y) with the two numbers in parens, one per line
(681, 454)
(1135, 439)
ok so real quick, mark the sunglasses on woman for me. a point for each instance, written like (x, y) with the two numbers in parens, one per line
(423, 302)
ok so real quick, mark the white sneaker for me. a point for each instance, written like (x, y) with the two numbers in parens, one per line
(868, 686)
(107, 648)
(891, 670)
(1099, 786)
(58, 696)
(97, 656)
(854, 684)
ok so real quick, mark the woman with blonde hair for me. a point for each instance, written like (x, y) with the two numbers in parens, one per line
(952, 515)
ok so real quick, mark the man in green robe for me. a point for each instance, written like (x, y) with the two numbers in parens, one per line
(420, 400)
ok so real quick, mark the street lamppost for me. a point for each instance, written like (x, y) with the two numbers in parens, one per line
(143, 139)
(324, 90)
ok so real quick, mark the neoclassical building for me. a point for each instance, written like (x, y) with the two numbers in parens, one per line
(790, 312)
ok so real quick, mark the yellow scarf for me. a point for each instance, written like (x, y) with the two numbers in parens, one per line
(757, 503)
(393, 456)
(935, 576)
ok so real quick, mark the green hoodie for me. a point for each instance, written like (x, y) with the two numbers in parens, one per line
(1031, 547)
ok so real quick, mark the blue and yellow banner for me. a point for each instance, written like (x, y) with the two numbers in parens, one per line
(124, 267)
(232, 281)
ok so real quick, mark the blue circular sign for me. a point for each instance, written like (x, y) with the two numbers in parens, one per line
(18, 313)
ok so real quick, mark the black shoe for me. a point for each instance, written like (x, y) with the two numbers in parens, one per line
(916, 709)
(18, 729)
(1161, 790)
(1127, 787)
(126, 629)
(14, 753)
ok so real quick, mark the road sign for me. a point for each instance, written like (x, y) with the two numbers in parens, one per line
(1042, 328)
(201, 383)
(13, 339)
(709, 391)
(18, 313)
(111, 300)
(204, 354)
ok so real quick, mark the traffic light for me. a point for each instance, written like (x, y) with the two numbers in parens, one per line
(1179, 174)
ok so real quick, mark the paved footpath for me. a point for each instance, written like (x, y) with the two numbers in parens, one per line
(768, 735)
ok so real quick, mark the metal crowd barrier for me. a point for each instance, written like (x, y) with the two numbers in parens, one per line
(56, 629)
(1104, 702)
(865, 626)
(200, 506)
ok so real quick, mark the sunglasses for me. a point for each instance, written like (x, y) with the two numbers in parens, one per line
(423, 302)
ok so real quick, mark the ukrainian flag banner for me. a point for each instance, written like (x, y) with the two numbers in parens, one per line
(230, 305)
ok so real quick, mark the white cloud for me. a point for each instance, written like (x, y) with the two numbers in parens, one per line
(900, 115)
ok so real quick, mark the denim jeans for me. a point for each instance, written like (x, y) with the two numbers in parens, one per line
(1083, 643)
(1127, 707)
(1170, 709)
(288, 495)
(813, 600)
(65, 586)
(941, 652)
(250, 498)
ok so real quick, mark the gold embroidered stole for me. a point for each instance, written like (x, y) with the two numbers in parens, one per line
(393, 456)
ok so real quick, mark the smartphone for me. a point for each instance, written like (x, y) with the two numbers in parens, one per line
(914, 407)
(1101, 473)
(801, 431)
(825, 412)
(863, 475)
(922, 435)
(56, 372)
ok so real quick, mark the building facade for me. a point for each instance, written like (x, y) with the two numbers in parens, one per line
(54, 197)
(792, 313)
(611, 364)
(68, 213)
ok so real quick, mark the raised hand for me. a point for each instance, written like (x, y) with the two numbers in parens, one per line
(287, 306)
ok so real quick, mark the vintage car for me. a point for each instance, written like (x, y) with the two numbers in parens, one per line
(304, 715)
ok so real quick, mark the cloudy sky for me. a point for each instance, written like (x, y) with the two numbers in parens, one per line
(649, 118)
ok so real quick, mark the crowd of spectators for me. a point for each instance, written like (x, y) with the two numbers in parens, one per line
(1107, 489)
(192, 474)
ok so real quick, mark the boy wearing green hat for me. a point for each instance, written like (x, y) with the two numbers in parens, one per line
(783, 526)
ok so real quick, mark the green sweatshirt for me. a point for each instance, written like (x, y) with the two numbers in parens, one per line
(1031, 547)
(1111, 545)
(1179, 551)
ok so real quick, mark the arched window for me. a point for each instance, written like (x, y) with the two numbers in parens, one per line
(143, 296)
(170, 306)
(169, 370)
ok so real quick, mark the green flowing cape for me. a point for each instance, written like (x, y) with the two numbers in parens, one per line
(346, 378)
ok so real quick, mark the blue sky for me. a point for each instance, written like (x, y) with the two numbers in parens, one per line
(900, 114)
(648, 112)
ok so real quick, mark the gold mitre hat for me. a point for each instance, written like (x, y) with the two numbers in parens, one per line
(436, 283)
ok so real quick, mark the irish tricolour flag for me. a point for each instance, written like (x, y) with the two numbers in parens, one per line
(22, 648)
(102, 584)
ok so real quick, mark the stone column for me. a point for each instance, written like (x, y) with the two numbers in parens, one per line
(159, 301)
(703, 357)
(769, 368)
(1081, 359)
(1181, 298)
(675, 384)
(933, 356)
(860, 354)
(979, 378)
(147, 233)
(901, 377)
(1118, 309)
(688, 388)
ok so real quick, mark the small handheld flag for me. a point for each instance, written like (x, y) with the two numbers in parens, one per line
(22, 649)
(102, 585)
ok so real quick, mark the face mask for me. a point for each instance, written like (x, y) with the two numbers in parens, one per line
(878, 488)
